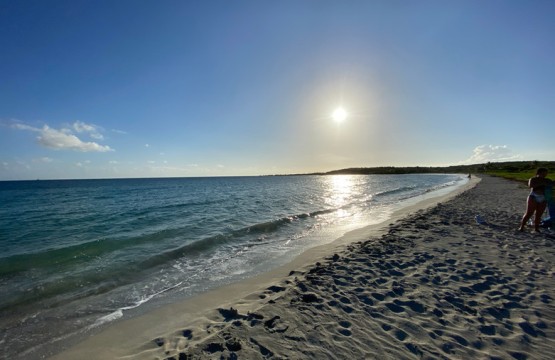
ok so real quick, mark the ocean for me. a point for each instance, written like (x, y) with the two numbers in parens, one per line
(77, 255)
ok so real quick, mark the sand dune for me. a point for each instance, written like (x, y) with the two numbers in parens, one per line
(435, 285)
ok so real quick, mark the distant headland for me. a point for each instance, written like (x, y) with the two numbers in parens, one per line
(517, 170)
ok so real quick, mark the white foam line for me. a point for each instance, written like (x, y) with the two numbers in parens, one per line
(119, 312)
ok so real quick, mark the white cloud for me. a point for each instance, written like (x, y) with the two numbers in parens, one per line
(64, 139)
(20, 126)
(97, 136)
(61, 139)
(492, 153)
(113, 162)
(92, 130)
(80, 127)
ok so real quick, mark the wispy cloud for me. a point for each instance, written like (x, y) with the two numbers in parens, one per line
(492, 153)
(83, 163)
(65, 139)
(43, 160)
(90, 129)
(20, 126)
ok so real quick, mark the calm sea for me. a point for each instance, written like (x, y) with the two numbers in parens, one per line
(77, 254)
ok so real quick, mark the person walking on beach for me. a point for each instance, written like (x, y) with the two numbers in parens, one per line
(536, 202)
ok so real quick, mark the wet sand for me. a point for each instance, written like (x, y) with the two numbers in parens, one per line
(430, 284)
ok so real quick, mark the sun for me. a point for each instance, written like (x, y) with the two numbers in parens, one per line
(339, 115)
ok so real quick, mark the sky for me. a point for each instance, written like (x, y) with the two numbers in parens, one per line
(134, 88)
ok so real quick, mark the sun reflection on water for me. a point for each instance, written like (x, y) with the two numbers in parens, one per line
(340, 192)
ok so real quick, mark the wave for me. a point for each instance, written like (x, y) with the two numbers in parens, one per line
(442, 186)
(275, 224)
(249, 235)
(118, 313)
(70, 255)
(73, 266)
(398, 190)
(186, 205)
(424, 191)
(414, 190)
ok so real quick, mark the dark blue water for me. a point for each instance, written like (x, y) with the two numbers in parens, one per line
(80, 253)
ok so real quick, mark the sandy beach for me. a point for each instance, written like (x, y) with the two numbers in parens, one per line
(430, 284)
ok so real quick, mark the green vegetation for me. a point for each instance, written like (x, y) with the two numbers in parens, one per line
(514, 170)
(520, 171)
(519, 176)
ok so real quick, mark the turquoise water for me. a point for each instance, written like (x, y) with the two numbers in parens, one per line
(77, 254)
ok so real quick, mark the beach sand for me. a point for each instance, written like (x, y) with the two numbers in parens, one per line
(430, 284)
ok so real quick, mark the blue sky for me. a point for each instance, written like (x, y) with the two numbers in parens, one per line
(125, 88)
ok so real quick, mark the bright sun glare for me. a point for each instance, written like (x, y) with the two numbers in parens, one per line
(339, 115)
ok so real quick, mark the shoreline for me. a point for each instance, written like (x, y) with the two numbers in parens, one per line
(130, 336)
(435, 285)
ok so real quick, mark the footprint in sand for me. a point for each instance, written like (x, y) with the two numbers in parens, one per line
(413, 305)
(529, 329)
(400, 334)
(344, 328)
(365, 299)
(487, 329)
(395, 308)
